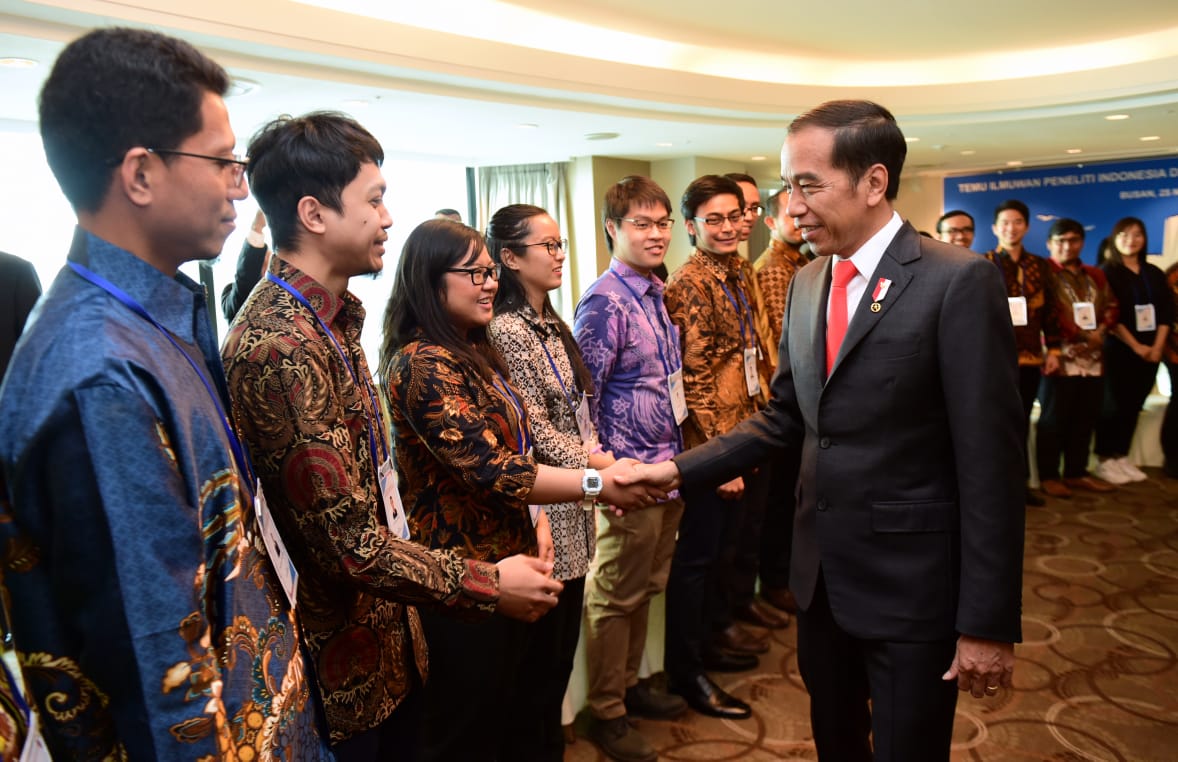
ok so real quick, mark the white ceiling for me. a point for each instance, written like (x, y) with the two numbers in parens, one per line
(979, 84)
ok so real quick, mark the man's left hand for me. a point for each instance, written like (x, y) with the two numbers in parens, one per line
(981, 667)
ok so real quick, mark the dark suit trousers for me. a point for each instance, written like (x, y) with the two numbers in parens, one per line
(777, 532)
(911, 713)
(1070, 405)
(1127, 382)
(746, 550)
(697, 589)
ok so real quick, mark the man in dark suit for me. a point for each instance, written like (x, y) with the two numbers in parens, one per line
(907, 555)
(19, 290)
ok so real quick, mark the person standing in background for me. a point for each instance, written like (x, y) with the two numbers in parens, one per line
(19, 290)
(251, 266)
(956, 227)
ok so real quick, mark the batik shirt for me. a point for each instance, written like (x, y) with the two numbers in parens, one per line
(147, 620)
(1081, 352)
(775, 270)
(542, 372)
(707, 300)
(1031, 277)
(311, 430)
(630, 346)
(462, 447)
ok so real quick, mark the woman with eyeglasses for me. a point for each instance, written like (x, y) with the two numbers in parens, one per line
(547, 368)
(469, 481)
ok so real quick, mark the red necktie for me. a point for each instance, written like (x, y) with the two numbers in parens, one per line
(836, 327)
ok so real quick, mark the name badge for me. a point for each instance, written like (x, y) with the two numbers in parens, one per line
(34, 749)
(390, 494)
(585, 423)
(752, 379)
(288, 575)
(678, 397)
(1018, 310)
(534, 510)
(1147, 320)
(1084, 313)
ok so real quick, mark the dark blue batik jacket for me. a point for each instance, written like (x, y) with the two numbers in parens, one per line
(147, 621)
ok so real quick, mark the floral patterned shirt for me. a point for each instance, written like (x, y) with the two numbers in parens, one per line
(1031, 277)
(775, 269)
(310, 426)
(1082, 351)
(708, 302)
(462, 454)
(531, 346)
(147, 620)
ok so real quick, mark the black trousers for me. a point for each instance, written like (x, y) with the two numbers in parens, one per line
(475, 687)
(395, 738)
(746, 539)
(698, 601)
(911, 710)
(549, 664)
(1127, 382)
(777, 535)
(1070, 406)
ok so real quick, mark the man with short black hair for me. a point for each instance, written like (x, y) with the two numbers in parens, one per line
(148, 621)
(309, 412)
(956, 226)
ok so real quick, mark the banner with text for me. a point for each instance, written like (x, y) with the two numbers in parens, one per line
(1096, 195)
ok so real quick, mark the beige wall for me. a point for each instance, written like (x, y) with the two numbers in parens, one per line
(921, 199)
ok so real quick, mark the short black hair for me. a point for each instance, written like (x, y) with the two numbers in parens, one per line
(630, 190)
(703, 189)
(1065, 225)
(115, 89)
(447, 212)
(1016, 205)
(953, 213)
(865, 134)
(315, 155)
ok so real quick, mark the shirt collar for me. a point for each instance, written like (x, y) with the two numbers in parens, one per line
(175, 303)
(867, 258)
(326, 304)
(722, 267)
(786, 250)
(636, 280)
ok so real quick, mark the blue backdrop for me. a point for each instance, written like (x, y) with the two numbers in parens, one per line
(1096, 195)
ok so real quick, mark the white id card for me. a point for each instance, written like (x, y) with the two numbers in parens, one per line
(288, 575)
(394, 510)
(678, 397)
(1018, 310)
(752, 379)
(34, 749)
(535, 511)
(1147, 319)
(1084, 313)
(584, 422)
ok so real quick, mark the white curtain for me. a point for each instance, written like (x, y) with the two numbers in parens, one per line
(542, 185)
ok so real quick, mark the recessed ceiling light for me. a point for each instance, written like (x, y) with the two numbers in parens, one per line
(1116, 117)
(17, 63)
(911, 140)
(356, 103)
(756, 158)
(527, 125)
(601, 135)
(1148, 138)
(239, 86)
(664, 145)
(968, 152)
(1075, 150)
(1015, 163)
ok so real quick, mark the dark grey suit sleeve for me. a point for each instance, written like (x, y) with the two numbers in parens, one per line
(249, 272)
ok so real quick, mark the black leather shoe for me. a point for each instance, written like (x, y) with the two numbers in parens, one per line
(646, 700)
(723, 660)
(1034, 500)
(737, 638)
(762, 615)
(705, 697)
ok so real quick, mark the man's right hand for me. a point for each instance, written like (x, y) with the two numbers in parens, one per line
(525, 590)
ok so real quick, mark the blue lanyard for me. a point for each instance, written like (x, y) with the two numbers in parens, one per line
(741, 315)
(243, 464)
(347, 364)
(522, 439)
(563, 389)
(654, 331)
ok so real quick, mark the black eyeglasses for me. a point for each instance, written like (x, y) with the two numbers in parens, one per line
(642, 224)
(479, 275)
(756, 210)
(235, 164)
(552, 247)
(717, 221)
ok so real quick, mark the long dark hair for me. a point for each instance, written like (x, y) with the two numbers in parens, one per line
(1113, 254)
(415, 302)
(507, 230)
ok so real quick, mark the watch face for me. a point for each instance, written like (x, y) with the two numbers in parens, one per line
(593, 482)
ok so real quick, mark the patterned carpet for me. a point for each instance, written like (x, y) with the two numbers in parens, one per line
(1096, 678)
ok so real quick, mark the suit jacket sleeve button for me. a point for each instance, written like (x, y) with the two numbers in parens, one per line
(824, 442)
(823, 505)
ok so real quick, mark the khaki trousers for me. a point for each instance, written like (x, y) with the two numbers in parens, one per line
(631, 566)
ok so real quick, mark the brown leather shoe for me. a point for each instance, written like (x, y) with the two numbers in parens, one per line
(1090, 484)
(762, 615)
(738, 639)
(1055, 488)
(780, 598)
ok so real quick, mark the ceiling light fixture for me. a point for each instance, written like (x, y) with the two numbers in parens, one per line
(756, 158)
(17, 63)
(1116, 117)
(239, 86)
(1014, 163)
(664, 145)
(528, 126)
(911, 140)
(968, 152)
(1075, 150)
(601, 135)
(1148, 138)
